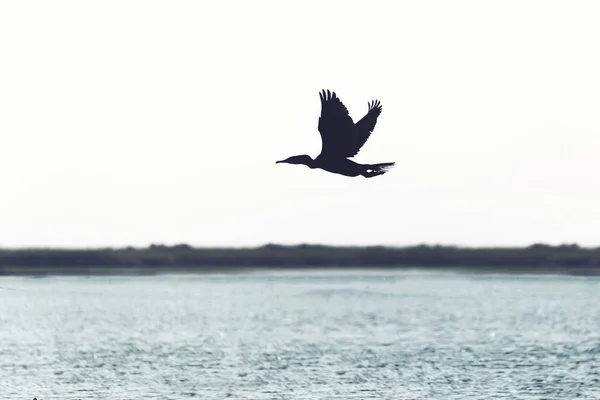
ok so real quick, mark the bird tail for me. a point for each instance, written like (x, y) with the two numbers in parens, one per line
(378, 169)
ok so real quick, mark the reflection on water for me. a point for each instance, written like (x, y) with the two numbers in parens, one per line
(390, 335)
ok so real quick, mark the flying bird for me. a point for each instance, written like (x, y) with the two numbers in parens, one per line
(342, 139)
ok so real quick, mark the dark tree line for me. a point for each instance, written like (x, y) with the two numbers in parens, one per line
(160, 258)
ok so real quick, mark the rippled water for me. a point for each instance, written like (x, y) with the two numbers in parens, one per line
(346, 335)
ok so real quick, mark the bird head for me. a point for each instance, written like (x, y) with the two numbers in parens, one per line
(303, 159)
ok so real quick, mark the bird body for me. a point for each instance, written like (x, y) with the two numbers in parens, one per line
(341, 139)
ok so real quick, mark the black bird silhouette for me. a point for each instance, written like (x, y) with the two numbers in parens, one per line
(341, 139)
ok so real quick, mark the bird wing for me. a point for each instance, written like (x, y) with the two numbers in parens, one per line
(338, 132)
(365, 126)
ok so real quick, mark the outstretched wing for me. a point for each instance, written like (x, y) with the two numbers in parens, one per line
(338, 132)
(365, 126)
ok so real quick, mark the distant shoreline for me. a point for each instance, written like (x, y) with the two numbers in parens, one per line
(160, 259)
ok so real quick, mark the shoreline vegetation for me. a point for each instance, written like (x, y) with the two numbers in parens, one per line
(568, 259)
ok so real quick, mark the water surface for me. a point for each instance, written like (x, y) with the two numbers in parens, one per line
(301, 335)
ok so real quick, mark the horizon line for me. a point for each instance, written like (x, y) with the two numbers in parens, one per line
(181, 245)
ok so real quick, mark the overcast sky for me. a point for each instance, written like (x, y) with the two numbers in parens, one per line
(137, 122)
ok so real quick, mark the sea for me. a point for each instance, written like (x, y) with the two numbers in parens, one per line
(361, 334)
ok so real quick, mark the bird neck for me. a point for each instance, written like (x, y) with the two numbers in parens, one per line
(309, 162)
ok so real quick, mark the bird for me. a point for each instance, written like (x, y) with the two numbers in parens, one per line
(342, 139)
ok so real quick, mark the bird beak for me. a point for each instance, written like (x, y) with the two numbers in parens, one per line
(277, 162)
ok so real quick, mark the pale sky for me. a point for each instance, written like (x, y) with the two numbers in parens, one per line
(137, 122)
